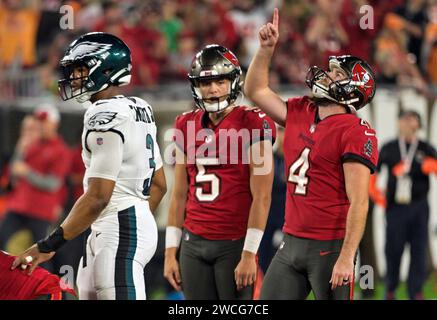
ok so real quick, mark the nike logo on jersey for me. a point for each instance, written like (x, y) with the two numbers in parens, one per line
(98, 234)
(261, 114)
(369, 133)
(325, 253)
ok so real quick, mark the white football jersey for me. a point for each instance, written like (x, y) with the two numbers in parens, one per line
(133, 120)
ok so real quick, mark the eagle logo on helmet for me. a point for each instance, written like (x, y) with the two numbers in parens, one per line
(87, 48)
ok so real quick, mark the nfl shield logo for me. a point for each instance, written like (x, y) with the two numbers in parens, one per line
(99, 141)
(312, 128)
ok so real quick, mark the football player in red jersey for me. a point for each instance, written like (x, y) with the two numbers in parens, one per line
(221, 196)
(17, 284)
(329, 155)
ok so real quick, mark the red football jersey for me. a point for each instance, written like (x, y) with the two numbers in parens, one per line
(219, 196)
(314, 150)
(18, 285)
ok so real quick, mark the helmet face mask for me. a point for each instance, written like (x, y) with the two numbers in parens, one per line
(75, 81)
(354, 91)
(106, 60)
(215, 62)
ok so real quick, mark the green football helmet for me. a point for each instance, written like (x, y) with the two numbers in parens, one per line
(93, 62)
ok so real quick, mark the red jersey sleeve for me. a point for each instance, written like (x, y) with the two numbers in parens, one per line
(179, 130)
(359, 143)
(297, 103)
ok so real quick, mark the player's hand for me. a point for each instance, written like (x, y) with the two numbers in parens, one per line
(343, 272)
(269, 33)
(31, 258)
(171, 270)
(245, 272)
(20, 168)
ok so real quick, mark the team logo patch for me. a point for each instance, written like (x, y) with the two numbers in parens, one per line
(99, 141)
(101, 118)
(266, 125)
(87, 48)
(231, 57)
(368, 148)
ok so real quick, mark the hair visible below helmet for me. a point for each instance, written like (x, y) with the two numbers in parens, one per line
(107, 58)
(211, 63)
(355, 91)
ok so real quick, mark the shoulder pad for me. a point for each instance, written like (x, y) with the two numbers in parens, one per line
(104, 117)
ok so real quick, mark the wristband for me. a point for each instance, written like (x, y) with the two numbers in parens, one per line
(253, 240)
(173, 237)
(53, 242)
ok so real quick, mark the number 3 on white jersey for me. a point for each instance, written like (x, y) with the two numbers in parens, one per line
(299, 178)
(203, 177)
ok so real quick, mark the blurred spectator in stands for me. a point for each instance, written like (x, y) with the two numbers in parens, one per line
(381, 8)
(248, 18)
(219, 27)
(409, 21)
(180, 61)
(410, 161)
(30, 131)
(18, 29)
(429, 52)
(48, 71)
(170, 24)
(154, 43)
(395, 65)
(293, 49)
(273, 233)
(38, 170)
(48, 26)
(138, 27)
(294, 17)
(112, 20)
(325, 33)
(360, 40)
(89, 13)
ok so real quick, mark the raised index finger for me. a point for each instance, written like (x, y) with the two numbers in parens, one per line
(276, 18)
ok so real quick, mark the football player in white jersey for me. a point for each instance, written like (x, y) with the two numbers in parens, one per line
(124, 180)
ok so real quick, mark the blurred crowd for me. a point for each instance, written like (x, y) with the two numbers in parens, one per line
(398, 37)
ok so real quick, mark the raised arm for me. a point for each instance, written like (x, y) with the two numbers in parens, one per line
(256, 85)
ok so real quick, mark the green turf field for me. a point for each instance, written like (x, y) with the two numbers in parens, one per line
(430, 291)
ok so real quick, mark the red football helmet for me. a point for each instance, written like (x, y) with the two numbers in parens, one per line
(355, 91)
